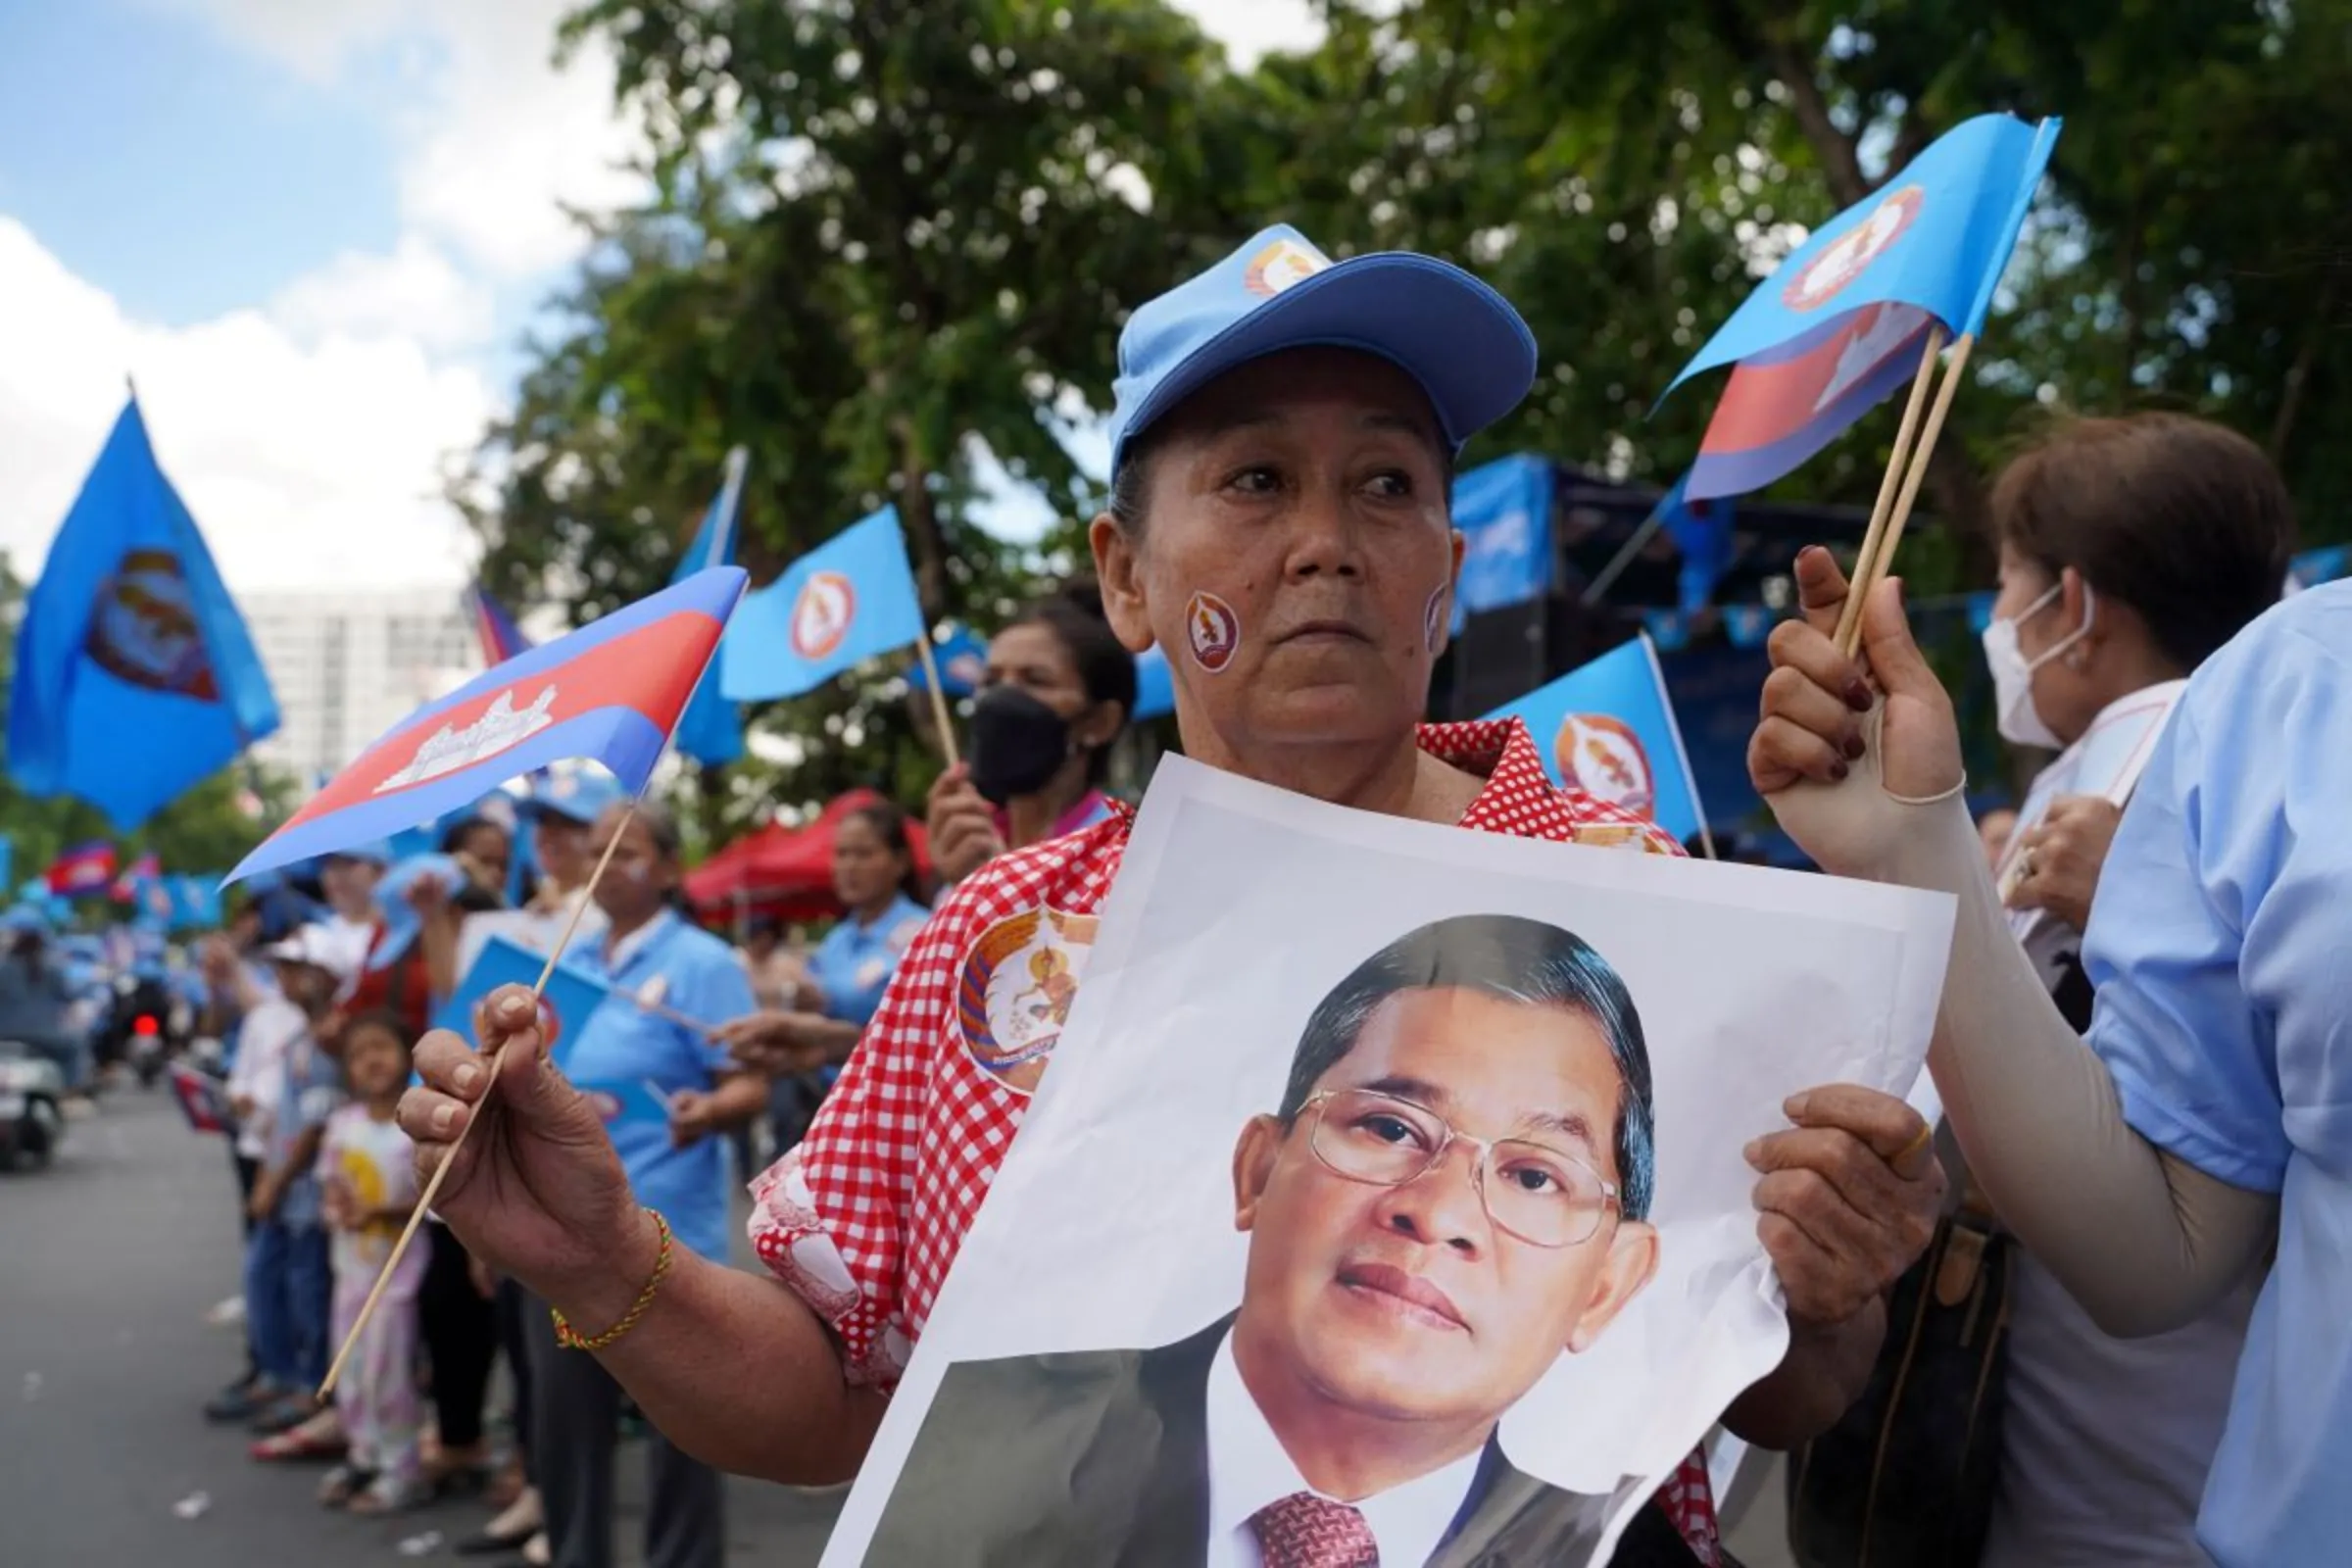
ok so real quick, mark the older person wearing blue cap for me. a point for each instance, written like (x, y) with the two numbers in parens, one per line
(1282, 448)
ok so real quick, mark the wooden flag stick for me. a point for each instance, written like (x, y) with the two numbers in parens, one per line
(1913, 479)
(939, 698)
(432, 1188)
(1866, 560)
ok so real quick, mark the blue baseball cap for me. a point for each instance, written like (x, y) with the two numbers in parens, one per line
(1463, 342)
(580, 797)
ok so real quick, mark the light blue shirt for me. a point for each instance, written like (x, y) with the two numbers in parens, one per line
(2220, 944)
(625, 1045)
(854, 964)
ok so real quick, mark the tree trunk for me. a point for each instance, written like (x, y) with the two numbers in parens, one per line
(2298, 375)
(920, 519)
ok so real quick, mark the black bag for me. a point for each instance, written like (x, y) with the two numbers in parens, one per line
(1906, 1478)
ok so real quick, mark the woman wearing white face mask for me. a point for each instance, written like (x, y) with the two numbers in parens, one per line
(2130, 548)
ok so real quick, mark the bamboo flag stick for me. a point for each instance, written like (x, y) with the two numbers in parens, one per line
(1866, 560)
(432, 1188)
(939, 698)
(1913, 479)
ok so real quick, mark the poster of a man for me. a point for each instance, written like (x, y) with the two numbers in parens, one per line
(1454, 1191)
(1388, 1201)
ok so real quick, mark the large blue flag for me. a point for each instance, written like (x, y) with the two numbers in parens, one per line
(136, 676)
(1503, 510)
(1844, 321)
(710, 730)
(610, 692)
(1608, 729)
(845, 602)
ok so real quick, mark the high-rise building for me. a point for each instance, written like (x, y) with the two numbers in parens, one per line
(347, 664)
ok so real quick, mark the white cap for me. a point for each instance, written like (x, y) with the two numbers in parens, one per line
(320, 948)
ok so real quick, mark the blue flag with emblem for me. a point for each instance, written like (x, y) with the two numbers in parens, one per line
(564, 1007)
(136, 676)
(1504, 510)
(1843, 323)
(1608, 729)
(710, 730)
(845, 602)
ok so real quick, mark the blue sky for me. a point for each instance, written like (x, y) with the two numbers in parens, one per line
(312, 230)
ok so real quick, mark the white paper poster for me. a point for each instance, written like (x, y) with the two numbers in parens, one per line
(1387, 1186)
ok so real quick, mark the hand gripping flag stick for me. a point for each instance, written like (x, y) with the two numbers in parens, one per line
(1870, 570)
(1872, 559)
(432, 1188)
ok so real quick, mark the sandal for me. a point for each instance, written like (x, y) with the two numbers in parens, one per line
(386, 1494)
(297, 1445)
(341, 1484)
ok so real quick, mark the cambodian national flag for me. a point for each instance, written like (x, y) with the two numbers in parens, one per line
(83, 869)
(1844, 321)
(146, 868)
(500, 637)
(610, 692)
(845, 602)
(1609, 728)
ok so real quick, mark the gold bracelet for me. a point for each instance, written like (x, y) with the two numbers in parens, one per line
(572, 1339)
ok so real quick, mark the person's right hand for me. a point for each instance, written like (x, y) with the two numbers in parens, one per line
(960, 824)
(771, 1042)
(536, 1192)
(1844, 747)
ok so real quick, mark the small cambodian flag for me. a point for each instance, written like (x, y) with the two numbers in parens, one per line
(848, 600)
(1844, 320)
(610, 692)
(146, 868)
(500, 637)
(85, 868)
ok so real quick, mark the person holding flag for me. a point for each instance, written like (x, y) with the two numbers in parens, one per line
(1279, 521)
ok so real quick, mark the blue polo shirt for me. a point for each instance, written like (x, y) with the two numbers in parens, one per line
(2218, 945)
(854, 964)
(625, 1044)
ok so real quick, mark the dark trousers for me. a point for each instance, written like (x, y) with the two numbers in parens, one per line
(460, 1330)
(248, 1169)
(513, 1307)
(286, 1293)
(576, 1425)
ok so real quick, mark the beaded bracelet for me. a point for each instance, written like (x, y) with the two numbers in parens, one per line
(572, 1339)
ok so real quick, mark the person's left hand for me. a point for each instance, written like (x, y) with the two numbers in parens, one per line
(690, 1119)
(263, 1202)
(428, 898)
(1849, 1198)
(2058, 859)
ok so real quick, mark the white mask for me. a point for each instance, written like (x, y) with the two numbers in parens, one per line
(2020, 722)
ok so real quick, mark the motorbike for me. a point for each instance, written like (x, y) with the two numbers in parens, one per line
(32, 1094)
(144, 1029)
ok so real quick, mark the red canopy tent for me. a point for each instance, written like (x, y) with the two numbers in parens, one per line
(783, 873)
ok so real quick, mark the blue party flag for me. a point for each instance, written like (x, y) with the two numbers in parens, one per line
(1608, 729)
(962, 656)
(1503, 510)
(844, 602)
(136, 676)
(610, 692)
(1842, 322)
(195, 902)
(571, 995)
(710, 730)
(1155, 684)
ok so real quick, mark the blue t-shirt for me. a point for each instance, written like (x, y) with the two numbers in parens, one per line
(854, 964)
(625, 1048)
(2220, 945)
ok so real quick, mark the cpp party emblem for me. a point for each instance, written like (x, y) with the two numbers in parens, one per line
(1281, 264)
(1212, 631)
(1850, 254)
(1604, 757)
(822, 614)
(143, 628)
(1014, 994)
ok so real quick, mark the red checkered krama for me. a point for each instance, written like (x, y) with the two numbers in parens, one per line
(866, 1217)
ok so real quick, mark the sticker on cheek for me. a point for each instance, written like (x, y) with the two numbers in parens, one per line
(1433, 620)
(1212, 631)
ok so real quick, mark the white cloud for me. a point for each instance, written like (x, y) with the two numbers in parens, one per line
(415, 292)
(304, 463)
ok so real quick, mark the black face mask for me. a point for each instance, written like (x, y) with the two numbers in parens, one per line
(1018, 744)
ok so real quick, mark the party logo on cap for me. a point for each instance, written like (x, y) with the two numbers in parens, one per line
(1604, 757)
(1013, 996)
(1213, 630)
(1282, 263)
(1850, 254)
(822, 614)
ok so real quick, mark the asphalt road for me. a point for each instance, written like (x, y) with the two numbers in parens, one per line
(108, 1262)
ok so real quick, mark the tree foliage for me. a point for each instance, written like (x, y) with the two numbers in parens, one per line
(893, 242)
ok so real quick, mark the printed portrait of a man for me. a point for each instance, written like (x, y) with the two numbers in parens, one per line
(1452, 1193)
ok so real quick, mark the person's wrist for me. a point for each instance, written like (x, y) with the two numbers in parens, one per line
(600, 1293)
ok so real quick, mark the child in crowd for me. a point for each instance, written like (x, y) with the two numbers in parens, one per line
(370, 1189)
